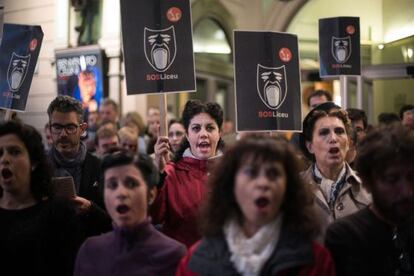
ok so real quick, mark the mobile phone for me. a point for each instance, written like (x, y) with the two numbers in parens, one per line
(64, 186)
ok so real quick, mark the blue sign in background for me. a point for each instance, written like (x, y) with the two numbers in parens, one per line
(19, 51)
(71, 64)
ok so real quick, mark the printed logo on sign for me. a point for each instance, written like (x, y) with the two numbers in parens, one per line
(271, 85)
(17, 71)
(174, 14)
(33, 44)
(160, 48)
(341, 48)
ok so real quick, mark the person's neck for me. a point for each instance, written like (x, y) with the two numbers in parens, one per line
(16, 202)
(331, 172)
(250, 229)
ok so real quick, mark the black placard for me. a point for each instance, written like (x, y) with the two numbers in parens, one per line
(19, 50)
(267, 81)
(158, 46)
(339, 46)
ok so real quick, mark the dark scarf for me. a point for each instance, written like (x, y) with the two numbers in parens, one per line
(69, 167)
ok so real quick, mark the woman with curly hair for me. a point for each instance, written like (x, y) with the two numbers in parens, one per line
(182, 188)
(259, 218)
(38, 235)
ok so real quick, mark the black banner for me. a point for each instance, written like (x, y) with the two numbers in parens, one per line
(267, 81)
(80, 75)
(19, 50)
(158, 46)
(339, 46)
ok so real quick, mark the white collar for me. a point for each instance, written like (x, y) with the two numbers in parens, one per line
(250, 254)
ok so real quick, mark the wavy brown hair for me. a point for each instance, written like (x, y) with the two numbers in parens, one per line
(221, 205)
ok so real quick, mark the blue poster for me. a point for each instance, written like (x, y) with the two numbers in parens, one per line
(19, 51)
(79, 74)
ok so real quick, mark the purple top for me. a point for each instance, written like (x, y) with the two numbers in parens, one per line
(139, 251)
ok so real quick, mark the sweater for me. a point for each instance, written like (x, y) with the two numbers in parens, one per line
(39, 240)
(139, 251)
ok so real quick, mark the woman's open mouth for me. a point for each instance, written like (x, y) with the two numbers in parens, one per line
(262, 202)
(334, 150)
(6, 173)
(204, 146)
(122, 209)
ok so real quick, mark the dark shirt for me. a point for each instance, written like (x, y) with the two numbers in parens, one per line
(140, 251)
(39, 240)
(362, 244)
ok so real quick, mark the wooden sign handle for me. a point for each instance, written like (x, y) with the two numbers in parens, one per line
(163, 114)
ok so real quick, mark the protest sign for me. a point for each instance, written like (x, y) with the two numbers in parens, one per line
(339, 46)
(158, 47)
(267, 81)
(19, 50)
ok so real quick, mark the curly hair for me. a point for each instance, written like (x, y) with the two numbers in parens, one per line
(40, 183)
(193, 108)
(221, 205)
(65, 104)
(383, 147)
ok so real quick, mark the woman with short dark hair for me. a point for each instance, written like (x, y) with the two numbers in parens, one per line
(134, 247)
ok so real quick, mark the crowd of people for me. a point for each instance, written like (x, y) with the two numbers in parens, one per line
(336, 199)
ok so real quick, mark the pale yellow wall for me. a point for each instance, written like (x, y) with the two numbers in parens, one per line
(398, 19)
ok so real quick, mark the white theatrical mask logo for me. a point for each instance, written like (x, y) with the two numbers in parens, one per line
(17, 71)
(160, 47)
(341, 48)
(271, 85)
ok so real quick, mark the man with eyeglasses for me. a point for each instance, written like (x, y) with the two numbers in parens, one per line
(379, 240)
(69, 155)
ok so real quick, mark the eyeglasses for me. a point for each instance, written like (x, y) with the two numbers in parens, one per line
(69, 128)
(175, 133)
(404, 265)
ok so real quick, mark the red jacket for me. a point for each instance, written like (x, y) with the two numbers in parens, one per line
(178, 200)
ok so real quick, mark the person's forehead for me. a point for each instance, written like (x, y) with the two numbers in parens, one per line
(329, 121)
(123, 171)
(409, 112)
(108, 139)
(359, 123)
(318, 99)
(107, 108)
(57, 116)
